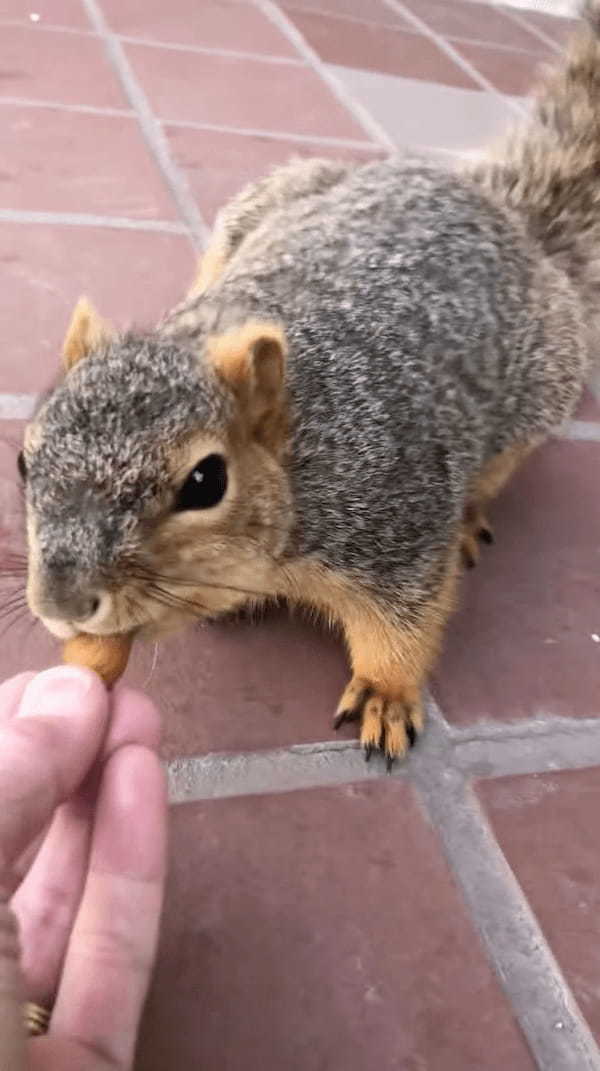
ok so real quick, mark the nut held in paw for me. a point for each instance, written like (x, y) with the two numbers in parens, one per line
(106, 655)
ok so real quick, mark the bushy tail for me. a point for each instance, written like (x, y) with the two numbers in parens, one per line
(549, 169)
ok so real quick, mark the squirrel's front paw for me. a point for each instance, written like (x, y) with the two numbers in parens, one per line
(389, 724)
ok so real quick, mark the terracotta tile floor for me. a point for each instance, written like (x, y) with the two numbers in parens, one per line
(320, 916)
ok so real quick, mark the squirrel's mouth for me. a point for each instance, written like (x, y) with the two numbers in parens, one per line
(62, 630)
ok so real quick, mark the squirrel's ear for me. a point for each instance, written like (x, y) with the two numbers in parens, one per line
(251, 361)
(86, 332)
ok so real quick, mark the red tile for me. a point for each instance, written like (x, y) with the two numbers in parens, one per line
(210, 24)
(378, 48)
(511, 72)
(371, 11)
(254, 685)
(548, 830)
(92, 163)
(219, 164)
(219, 688)
(25, 643)
(320, 930)
(475, 22)
(240, 93)
(558, 29)
(42, 64)
(522, 644)
(51, 12)
(589, 408)
(132, 275)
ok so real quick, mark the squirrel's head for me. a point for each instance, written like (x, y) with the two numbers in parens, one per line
(155, 487)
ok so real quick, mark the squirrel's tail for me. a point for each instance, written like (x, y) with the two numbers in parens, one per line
(548, 171)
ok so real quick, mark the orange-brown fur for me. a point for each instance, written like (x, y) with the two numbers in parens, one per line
(86, 332)
(390, 661)
(209, 269)
(490, 481)
(251, 359)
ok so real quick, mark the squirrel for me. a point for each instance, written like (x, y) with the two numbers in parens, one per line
(365, 357)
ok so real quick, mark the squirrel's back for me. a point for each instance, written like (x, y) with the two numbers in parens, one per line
(419, 318)
(433, 319)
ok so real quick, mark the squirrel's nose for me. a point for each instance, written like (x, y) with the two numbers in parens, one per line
(84, 607)
(74, 606)
(90, 608)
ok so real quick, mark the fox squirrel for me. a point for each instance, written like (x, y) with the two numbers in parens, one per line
(367, 354)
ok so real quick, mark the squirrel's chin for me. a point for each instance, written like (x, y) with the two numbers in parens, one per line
(61, 629)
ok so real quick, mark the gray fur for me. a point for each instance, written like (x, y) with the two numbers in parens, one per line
(99, 467)
(433, 320)
(422, 324)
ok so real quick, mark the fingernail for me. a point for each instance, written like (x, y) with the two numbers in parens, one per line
(59, 691)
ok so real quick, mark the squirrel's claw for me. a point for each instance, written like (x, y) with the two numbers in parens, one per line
(352, 714)
(387, 725)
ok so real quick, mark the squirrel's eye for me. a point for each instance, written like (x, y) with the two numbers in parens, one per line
(22, 466)
(205, 485)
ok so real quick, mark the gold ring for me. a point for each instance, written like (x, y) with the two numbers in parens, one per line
(36, 1019)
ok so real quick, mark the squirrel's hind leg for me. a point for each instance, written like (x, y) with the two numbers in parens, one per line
(476, 528)
(390, 662)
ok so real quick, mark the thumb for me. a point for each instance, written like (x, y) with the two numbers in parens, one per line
(12, 1034)
(45, 752)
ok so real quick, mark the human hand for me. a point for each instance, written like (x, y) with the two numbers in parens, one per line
(82, 864)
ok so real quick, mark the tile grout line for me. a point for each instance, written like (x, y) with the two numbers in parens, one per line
(513, 756)
(539, 727)
(481, 43)
(582, 430)
(275, 135)
(270, 57)
(176, 46)
(128, 113)
(43, 27)
(344, 17)
(543, 1003)
(532, 5)
(445, 46)
(276, 771)
(151, 130)
(488, 750)
(550, 1018)
(511, 13)
(17, 406)
(85, 219)
(355, 109)
(85, 109)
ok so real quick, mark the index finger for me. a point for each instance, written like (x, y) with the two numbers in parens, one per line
(46, 752)
(113, 942)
